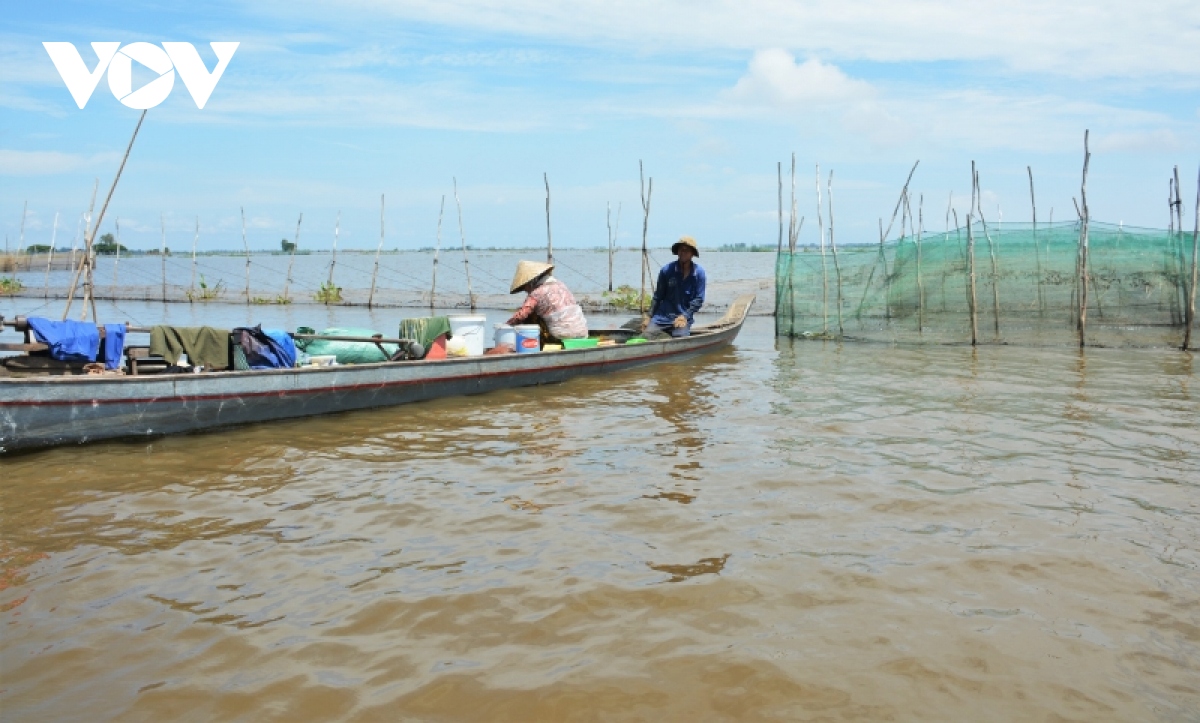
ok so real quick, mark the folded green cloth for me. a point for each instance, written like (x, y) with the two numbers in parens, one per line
(425, 329)
(204, 345)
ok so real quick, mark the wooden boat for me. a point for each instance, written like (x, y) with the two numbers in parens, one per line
(56, 410)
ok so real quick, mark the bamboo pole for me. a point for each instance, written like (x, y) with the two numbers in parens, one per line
(824, 269)
(1083, 246)
(50, 257)
(612, 239)
(463, 237)
(549, 238)
(1183, 287)
(378, 250)
(292, 259)
(1037, 249)
(100, 217)
(162, 252)
(195, 240)
(246, 246)
(972, 299)
(1187, 334)
(883, 234)
(920, 283)
(647, 192)
(992, 253)
(337, 229)
(837, 269)
(793, 238)
(87, 222)
(437, 250)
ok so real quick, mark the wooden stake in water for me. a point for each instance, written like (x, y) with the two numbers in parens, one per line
(246, 247)
(971, 297)
(647, 191)
(612, 240)
(992, 253)
(50, 257)
(292, 260)
(87, 222)
(337, 228)
(162, 252)
(837, 269)
(437, 250)
(1083, 246)
(195, 240)
(378, 250)
(1187, 335)
(1037, 249)
(462, 234)
(824, 270)
(549, 238)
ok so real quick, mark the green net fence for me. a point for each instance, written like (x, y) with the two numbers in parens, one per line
(1026, 287)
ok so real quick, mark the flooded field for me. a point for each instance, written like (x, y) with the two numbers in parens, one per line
(783, 530)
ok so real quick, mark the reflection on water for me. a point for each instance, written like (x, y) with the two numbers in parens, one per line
(811, 530)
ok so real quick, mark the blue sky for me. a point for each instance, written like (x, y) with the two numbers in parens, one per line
(324, 108)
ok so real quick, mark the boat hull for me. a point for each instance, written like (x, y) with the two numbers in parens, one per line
(48, 411)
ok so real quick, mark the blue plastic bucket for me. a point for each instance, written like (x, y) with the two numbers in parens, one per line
(529, 338)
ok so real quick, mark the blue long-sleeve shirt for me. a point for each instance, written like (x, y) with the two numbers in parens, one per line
(675, 295)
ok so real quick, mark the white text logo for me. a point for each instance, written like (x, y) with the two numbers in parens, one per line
(118, 61)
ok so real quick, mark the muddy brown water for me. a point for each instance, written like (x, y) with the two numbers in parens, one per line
(783, 531)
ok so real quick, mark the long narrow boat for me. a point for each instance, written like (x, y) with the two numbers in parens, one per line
(47, 411)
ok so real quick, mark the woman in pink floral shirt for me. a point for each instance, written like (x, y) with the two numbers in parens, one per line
(549, 304)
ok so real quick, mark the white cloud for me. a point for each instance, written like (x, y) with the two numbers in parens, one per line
(775, 80)
(1138, 141)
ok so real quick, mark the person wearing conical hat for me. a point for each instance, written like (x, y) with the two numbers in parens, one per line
(549, 304)
(679, 293)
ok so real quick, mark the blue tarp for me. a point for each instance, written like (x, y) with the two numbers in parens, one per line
(266, 348)
(72, 341)
(114, 345)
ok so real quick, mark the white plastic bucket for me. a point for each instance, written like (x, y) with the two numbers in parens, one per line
(468, 328)
(505, 334)
(529, 338)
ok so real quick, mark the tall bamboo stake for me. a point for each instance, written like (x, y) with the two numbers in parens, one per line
(437, 250)
(90, 289)
(246, 246)
(50, 257)
(463, 237)
(1037, 249)
(292, 259)
(920, 283)
(824, 269)
(1187, 335)
(972, 299)
(883, 234)
(195, 240)
(378, 249)
(612, 239)
(1083, 246)
(647, 192)
(163, 255)
(337, 229)
(837, 269)
(991, 252)
(1183, 287)
(793, 239)
(83, 262)
(549, 238)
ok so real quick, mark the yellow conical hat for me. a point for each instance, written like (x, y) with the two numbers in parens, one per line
(528, 271)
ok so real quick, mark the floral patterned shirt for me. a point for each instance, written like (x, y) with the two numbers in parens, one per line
(553, 303)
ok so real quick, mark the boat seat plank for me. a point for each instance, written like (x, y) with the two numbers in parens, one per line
(11, 346)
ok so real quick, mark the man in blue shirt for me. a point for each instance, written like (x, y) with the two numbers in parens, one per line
(679, 293)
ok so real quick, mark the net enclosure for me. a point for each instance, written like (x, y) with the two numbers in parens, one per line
(994, 284)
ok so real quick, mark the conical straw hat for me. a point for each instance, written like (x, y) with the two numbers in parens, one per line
(685, 241)
(528, 271)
